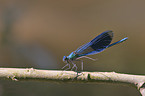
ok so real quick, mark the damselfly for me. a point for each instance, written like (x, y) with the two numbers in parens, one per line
(97, 45)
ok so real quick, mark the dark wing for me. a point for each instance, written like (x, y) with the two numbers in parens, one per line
(97, 45)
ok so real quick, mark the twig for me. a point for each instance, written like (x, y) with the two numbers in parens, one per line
(19, 74)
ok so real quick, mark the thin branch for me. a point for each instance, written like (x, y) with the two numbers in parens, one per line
(18, 74)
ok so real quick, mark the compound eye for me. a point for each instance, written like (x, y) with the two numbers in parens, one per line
(64, 58)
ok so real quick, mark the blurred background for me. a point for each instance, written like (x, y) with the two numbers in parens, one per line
(38, 33)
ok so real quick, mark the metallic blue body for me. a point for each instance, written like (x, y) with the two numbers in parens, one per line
(97, 45)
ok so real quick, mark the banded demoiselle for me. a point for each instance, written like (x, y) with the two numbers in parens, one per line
(97, 45)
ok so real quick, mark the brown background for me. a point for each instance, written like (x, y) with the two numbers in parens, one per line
(38, 33)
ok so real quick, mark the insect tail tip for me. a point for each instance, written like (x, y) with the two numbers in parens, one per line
(124, 39)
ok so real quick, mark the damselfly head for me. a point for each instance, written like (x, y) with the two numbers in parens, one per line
(64, 58)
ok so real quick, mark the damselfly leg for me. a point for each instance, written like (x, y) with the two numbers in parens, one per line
(74, 66)
(66, 66)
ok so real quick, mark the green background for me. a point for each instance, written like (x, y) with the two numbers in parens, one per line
(38, 33)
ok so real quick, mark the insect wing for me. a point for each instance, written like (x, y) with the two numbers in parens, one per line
(97, 45)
